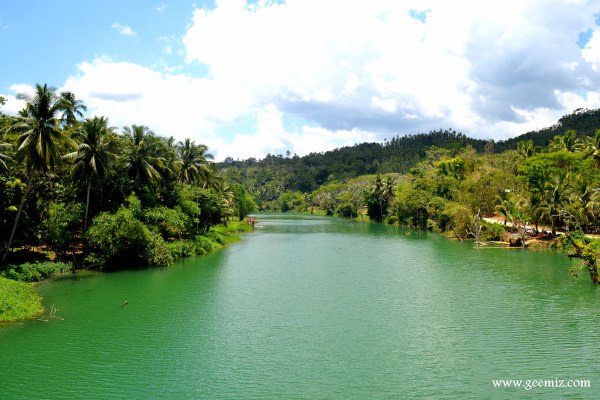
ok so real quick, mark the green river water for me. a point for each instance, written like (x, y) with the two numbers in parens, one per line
(314, 308)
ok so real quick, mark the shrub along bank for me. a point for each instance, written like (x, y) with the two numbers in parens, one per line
(18, 300)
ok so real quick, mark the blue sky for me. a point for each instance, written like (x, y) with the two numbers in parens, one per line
(46, 40)
(249, 79)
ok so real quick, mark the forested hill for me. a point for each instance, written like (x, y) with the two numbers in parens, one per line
(583, 121)
(396, 155)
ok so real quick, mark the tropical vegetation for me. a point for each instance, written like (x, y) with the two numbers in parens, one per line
(92, 195)
(79, 191)
(452, 184)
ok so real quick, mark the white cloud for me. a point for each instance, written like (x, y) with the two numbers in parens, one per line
(161, 8)
(123, 29)
(389, 105)
(271, 137)
(591, 52)
(132, 94)
(12, 105)
(175, 104)
(467, 65)
(356, 71)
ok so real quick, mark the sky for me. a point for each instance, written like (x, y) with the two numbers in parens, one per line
(249, 78)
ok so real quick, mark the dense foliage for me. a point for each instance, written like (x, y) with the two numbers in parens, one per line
(267, 178)
(84, 192)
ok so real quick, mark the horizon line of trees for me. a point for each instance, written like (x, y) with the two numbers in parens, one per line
(275, 174)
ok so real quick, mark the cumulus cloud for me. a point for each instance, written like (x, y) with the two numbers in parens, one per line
(123, 29)
(271, 137)
(14, 105)
(591, 52)
(353, 71)
(347, 64)
(132, 94)
(178, 105)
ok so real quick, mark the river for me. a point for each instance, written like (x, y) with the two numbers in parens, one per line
(314, 308)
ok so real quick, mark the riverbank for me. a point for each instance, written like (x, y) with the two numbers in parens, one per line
(19, 299)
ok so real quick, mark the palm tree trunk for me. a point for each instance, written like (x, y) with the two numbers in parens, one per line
(197, 203)
(14, 229)
(87, 204)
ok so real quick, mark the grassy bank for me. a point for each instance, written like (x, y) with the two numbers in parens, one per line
(218, 237)
(18, 301)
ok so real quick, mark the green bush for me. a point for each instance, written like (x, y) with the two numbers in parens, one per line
(206, 244)
(213, 209)
(291, 201)
(120, 236)
(492, 231)
(18, 300)
(181, 248)
(346, 210)
(217, 237)
(61, 224)
(392, 220)
(233, 227)
(459, 216)
(35, 272)
(243, 201)
(170, 223)
(192, 212)
(156, 251)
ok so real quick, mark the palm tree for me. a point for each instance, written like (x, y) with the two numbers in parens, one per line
(192, 163)
(592, 149)
(526, 148)
(537, 209)
(388, 188)
(504, 207)
(72, 108)
(376, 192)
(4, 158)
(37, 145)
(94, 157)
(144, 162)
(565, 142)
(382, 192)
(582, 205)
(555, 197)
(222, 188)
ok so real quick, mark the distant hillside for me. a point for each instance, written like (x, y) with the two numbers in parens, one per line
(396, 155)
(583, 121)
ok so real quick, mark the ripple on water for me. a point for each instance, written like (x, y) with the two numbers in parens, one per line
(314, 307)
